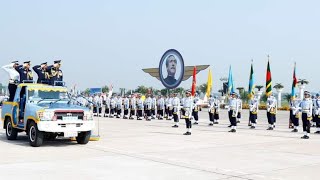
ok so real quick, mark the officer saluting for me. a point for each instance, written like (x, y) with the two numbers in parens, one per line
(306, 107)
(42, 72)
(56, 75)
(25, 72)
(14, 78)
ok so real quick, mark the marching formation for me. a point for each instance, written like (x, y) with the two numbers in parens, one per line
(176, 108)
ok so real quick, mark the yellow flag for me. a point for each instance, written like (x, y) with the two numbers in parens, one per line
(209, 83)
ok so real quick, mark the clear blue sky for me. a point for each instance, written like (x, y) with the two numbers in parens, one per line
(103, 42)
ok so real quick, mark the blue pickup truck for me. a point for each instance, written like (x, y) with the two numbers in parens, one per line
(45, 112)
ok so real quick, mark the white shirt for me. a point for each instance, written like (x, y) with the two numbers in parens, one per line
(13, 74)
(307, 106)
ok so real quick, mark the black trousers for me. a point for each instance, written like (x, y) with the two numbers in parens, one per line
(12, 91)
(107, 111)
(153, 112)
(148, 112)
(118, 111)
(233, 120)
(305, 123)
(112, 111)
(139, 112)
(211, 116)
(188, 123)
(271, 118)
(166, 110)
(195, 115)
(239, 115)
(160, 112)
(126, 112)
(295, 120)
(317, 120)
(132, 112)
(253, 117)
(94, 109)
(100, 110)
(170, 112)
(175, 117)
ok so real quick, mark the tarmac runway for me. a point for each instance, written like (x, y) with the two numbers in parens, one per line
(131, 149)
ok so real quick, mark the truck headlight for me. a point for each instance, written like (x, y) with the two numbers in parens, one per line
(46, 115)
(88, 116)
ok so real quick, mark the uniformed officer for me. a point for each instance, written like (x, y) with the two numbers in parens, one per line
(98, 105)
(314, 118)
(133, 106)
(153, 107)
(161, 107)
(233, 111)
(176, 109)
(188, 106)
(119, 106)
(25, 72)
(271, 111)
(14, 78)
(295, 113)
(56, 75)
(216, 110)
(107, 107)
(239, 108)
(166, 100)
(126, 106)
(42, 72)
(306, 106)
(140, 108)
(170, 107)
(211, 110)
(112, 106)
(181, 105)
(147, 107)
(253, 112)
(317, 114)
(196, 108)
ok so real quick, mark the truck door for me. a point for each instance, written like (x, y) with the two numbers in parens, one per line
(15, 107)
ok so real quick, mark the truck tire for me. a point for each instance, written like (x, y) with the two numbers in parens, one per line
(83, 137)
(11, 132)
(35, 136)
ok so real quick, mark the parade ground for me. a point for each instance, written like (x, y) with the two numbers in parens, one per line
(131, 149)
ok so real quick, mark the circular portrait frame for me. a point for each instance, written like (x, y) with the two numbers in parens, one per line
(171, 82)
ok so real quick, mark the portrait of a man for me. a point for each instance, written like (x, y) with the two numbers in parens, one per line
(171, 69)
(171, 65)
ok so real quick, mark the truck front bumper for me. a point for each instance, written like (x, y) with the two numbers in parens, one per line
(65, 126)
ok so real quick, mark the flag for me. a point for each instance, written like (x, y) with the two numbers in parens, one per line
(194, 82)
(268, 81)
(230, 82)
(251, 83)
(209, 83)
(294, 83)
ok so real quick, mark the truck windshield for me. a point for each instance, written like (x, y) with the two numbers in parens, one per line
(39, 95)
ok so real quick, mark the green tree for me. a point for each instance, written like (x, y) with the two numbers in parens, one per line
(87, 91)
(278, 86)
(202, 88)
(105, 89)
(303, 81)
(259, 87)
(287, 97)
(141, 89)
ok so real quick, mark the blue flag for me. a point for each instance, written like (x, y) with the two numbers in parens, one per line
(230, 82)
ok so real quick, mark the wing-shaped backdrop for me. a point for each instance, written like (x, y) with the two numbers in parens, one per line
(188, 71)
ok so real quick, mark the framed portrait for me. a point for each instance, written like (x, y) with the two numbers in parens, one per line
(171, 69)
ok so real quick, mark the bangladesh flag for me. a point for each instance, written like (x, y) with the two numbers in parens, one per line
(268, 81)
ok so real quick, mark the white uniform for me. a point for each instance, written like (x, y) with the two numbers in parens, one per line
(13, 74)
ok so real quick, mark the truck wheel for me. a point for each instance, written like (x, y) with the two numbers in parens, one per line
(11, 132)
(83, 137)
(35, 136)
